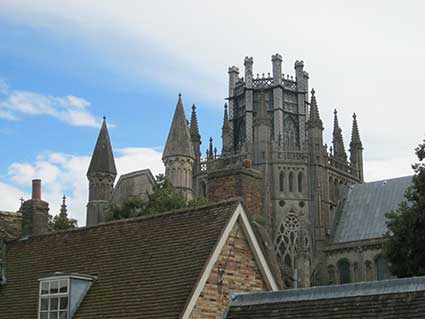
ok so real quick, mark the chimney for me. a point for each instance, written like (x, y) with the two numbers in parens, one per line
(35, 212)
(36, 189)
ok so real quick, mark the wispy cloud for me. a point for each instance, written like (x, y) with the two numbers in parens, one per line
(15, 104)
(63, 173)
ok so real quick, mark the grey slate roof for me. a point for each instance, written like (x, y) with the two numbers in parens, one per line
(102, 160)
(363, 212)
(179, 142)
(395, 299)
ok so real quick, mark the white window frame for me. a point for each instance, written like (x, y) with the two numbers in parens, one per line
(54, 295)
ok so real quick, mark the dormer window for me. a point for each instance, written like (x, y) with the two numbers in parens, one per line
(54, 299)
(61, 294)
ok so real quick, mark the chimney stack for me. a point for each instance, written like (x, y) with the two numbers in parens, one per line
(36, 189)
(35, 212)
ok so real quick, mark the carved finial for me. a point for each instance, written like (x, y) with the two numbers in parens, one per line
(104, 118)
(263, 75)
(180, 95)
(64, 210)
(313, 91)
(215, 152)
(335, 112)
(193, 107)
(354, 116)
(268, 74)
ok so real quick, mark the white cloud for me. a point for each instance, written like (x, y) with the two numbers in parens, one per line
(69, 109)
(362, 56)
(66, 174)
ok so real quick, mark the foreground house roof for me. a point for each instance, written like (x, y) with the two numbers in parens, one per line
(148, 267)
(364, 207)
(389, 299)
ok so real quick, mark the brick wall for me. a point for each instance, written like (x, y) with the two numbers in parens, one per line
(243, 182)
(241, 274)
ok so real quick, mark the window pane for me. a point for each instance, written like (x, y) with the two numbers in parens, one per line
(44, 288)
(54, 315)
(64, 303)
(54, 303)
(54, 287)
(44, 315)
(44, 304)
(63, 286)
(63, 315)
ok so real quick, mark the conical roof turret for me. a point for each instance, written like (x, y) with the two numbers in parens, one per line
(102, 160)
(314, 118)
(179, 140)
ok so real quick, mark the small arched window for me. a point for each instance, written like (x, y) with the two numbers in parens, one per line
(331, 275)
(291, 182)
(382, 269)
(369, 270)
(282, 182)
(300, 182)
(344, 271)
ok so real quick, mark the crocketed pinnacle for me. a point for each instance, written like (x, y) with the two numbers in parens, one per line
(194, 129)
(314, 118)
(179, 140)
(64, 210)
(355, 135)
(338, 141)
(226, 123)
(211, 149)
(102, 160)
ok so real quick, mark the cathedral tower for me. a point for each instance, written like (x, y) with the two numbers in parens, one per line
(179, 154)
(101, 175)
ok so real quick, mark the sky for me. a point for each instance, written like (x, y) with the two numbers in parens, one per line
(65, 64)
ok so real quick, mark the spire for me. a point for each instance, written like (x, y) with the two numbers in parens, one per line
(210, 154)
(338, 141)
(194, 129)
(179, 142)
(102, 160)
(355, 136)
(64, 210)
(314, 119)
(226, 123)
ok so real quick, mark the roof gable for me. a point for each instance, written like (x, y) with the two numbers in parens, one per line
(139, 263)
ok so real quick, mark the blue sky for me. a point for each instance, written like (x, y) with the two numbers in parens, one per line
(65, 64)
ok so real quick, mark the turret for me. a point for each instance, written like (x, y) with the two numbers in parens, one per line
(179, 154)
(249, 101)
(356, 149)
(101, 175)
(338, 142)
(226, 134)
(277, 95)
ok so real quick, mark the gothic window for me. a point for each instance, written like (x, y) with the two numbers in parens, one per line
(382, 269)
(290, 132)
(344, 271)
(369, 270)
(336, 190)
(300, 182)
(281, 181)
(286, 240)
(356, 272)
(331, 275)
(291, 182)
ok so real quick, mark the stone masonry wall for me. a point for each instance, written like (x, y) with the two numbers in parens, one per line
(241, 274)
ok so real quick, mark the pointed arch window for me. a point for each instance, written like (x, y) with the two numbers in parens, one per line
(286, 240)
(300, 182)
(382, 269)
(282, 181)
(344, 271)
(291, 182)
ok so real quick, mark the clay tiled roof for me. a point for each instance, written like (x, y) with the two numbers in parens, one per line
(389, 299)
(10, 225)
(146, 267)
